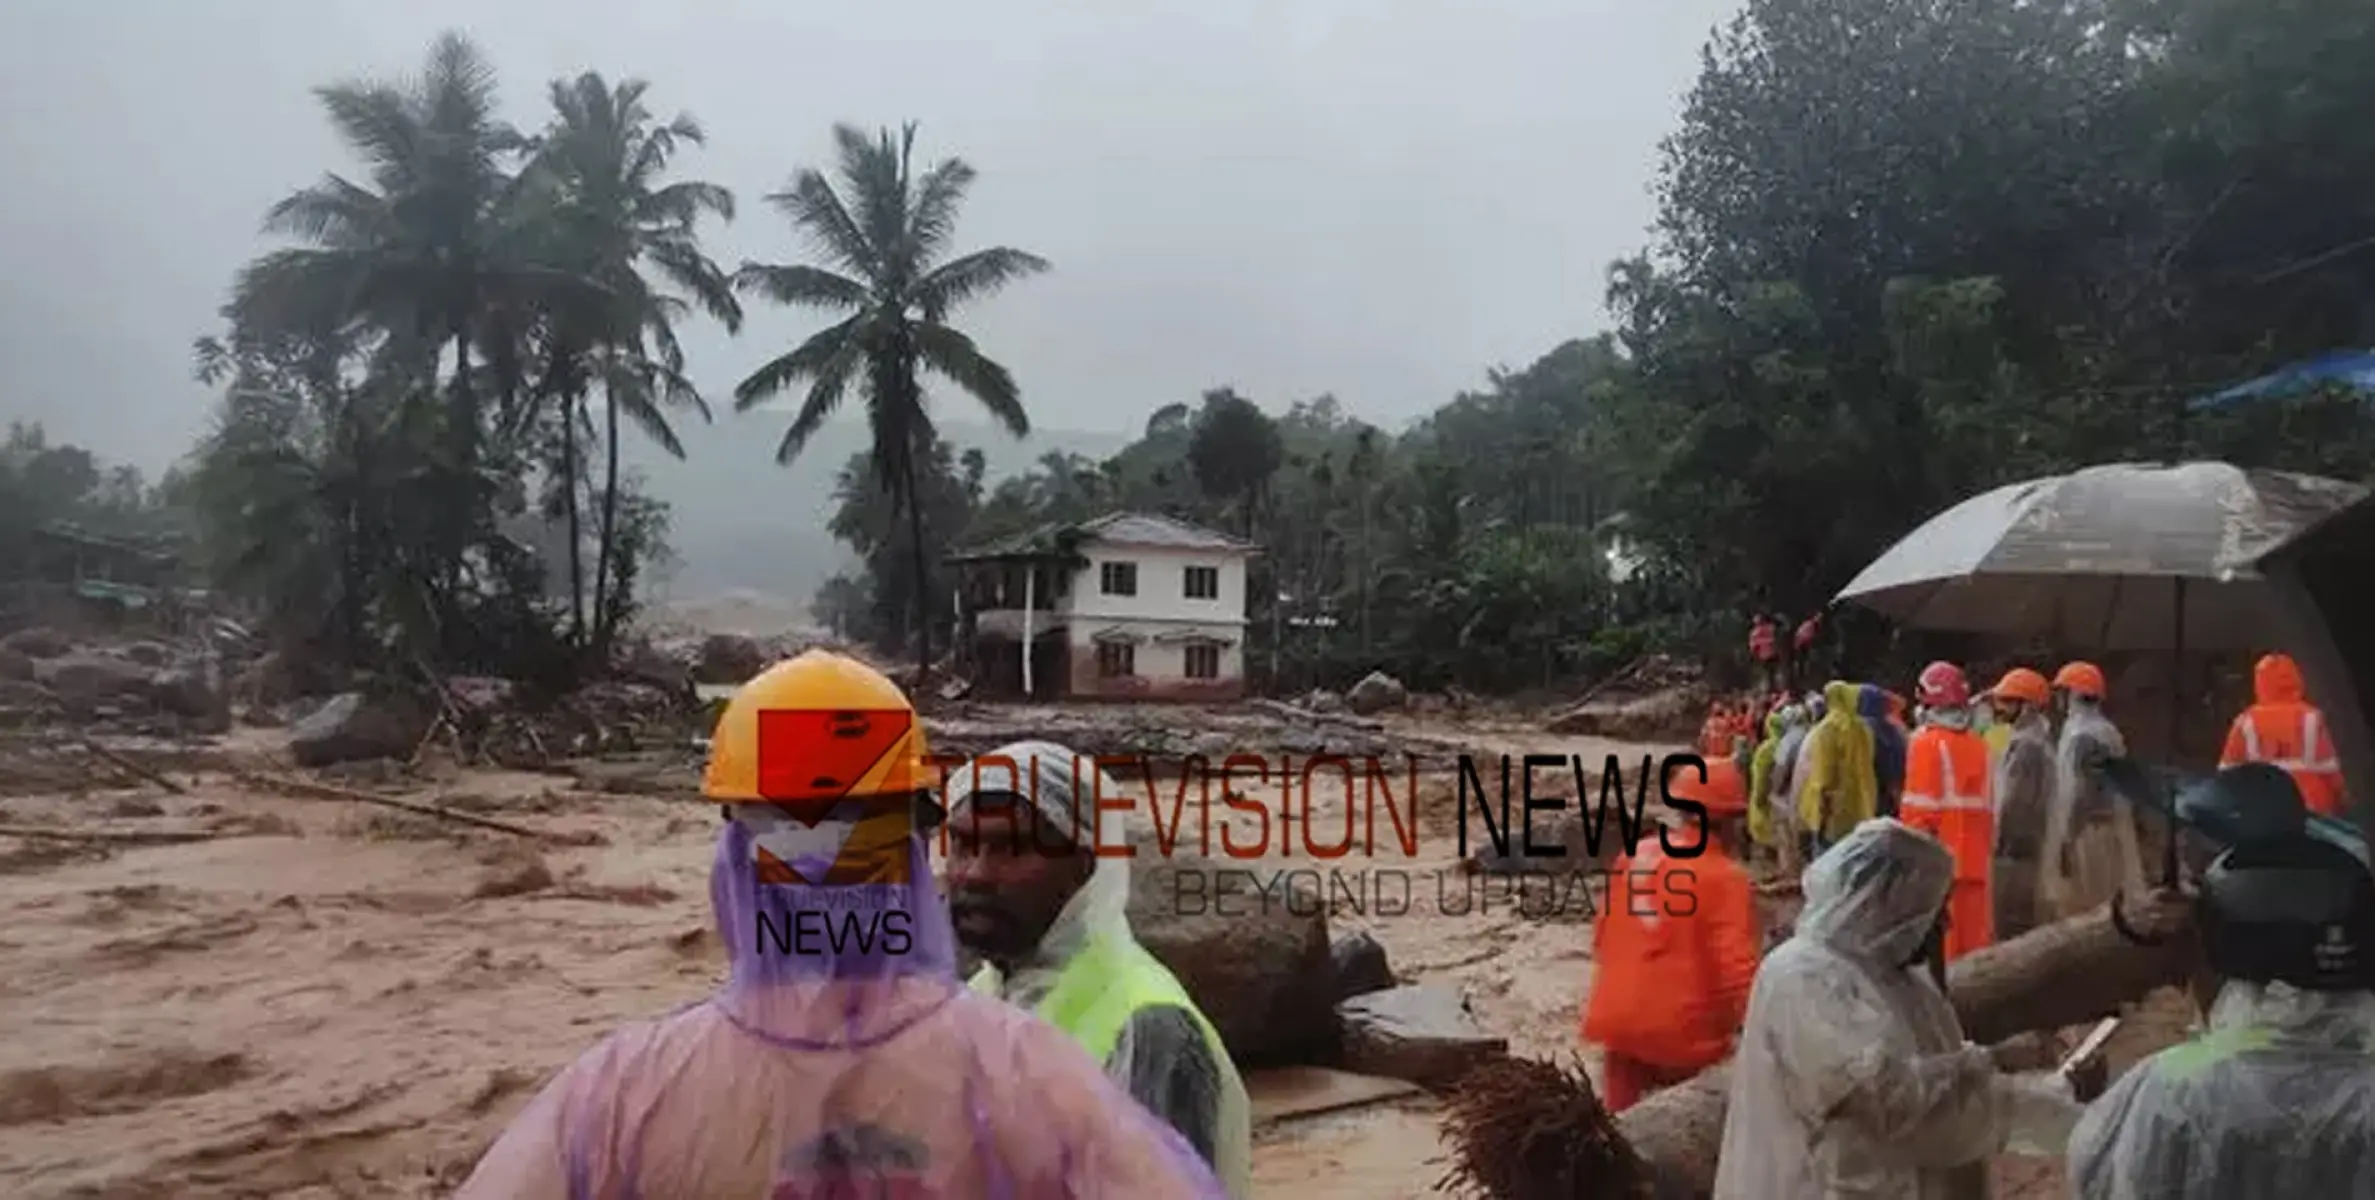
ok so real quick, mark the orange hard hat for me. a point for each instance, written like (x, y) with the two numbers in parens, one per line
(2024, 685)
(815, 728)
(2082, 679)
(1723, 791)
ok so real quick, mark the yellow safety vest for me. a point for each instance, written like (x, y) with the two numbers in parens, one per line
(1112, 978)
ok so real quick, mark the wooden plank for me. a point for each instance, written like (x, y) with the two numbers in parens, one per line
(1284, 1093)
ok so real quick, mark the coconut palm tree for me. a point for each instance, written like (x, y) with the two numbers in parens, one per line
(883, 236)
(607, 214)
(425, 255)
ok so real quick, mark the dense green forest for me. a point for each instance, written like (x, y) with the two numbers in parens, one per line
(1904, 251)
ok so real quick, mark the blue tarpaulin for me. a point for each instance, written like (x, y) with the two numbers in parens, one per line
(2342, 368)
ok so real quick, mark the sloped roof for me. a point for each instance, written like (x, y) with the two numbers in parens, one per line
(1058, 540)
(1169, 533)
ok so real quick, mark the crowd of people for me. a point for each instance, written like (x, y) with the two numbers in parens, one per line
(844, 1056)
(1927, 831)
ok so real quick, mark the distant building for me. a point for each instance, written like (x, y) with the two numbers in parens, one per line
(1130, 606)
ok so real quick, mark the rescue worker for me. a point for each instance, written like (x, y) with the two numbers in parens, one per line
(1049, 915)
(2281, 727)
(1852, 1076)
(1801, 659)
(1676, 947)
(2091, 849)
(1764, 649)
(2024, 783)
(1881, 713)
(1768, 825)
(1949, 796)
(1836, 785)
(2274, 1097)
(842, 1055)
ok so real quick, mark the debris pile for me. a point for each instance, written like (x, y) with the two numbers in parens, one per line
(1521, 1129)
(1655, 699)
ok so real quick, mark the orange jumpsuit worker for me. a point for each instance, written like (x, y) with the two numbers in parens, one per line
(2283, 729)
(1675, 951)
(1949, 795)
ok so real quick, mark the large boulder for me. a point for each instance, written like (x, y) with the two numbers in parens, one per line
(38, 642)
(729, 658)
(1377, 692)
(192, 693)
(91, 678)
(354, 726)
(1361, 966)
(1257, 962)
(1423, 1033)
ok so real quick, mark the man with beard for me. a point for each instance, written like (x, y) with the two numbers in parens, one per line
(1031, 896)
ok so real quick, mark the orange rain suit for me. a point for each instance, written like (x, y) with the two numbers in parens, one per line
(1949, 795)
(2283, 729)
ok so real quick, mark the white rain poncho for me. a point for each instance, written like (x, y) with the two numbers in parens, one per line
(1853, 1078)
(1164, 1055)
(2024, 785)
(2276, 1098)
(2091, 850)
(826, 1068)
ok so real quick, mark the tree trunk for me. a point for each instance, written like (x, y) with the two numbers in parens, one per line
(569, 482)
(2064, 974)
(605, 552)
(923, 581)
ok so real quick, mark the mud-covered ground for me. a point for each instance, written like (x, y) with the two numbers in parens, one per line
(318, 998)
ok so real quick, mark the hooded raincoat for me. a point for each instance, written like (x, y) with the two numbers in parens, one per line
(835, 1066)
(2024, 795)
(2275, 1098)
(1092, 979)
(1853, 1078)
(1837, 776)
(1888, 748)
(1765, 771)
(2283, 728)
(2091, 848)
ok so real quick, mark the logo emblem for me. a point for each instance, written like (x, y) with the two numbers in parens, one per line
(812, 830)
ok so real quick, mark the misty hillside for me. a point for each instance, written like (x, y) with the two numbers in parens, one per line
(743, 523)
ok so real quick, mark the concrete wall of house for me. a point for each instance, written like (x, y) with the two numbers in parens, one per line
(1162, 586)
(1158, 668)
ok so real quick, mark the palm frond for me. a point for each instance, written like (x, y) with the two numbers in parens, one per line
(817, 212)
(874, 172)
(932, 221)
(801, 285)
(972, 277)
(950, 354)
(811, 359)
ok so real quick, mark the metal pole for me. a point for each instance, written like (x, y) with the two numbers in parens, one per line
(1030, 600)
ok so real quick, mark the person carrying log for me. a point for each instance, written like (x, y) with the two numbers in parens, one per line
(2283, 728)
(2091, 849)
(2024, 783)
(1675, 949)
(1049, 914)
(1853, 1077)
(842, 1053)
(1836, 782)
(1949, 795)
(2276, 1096)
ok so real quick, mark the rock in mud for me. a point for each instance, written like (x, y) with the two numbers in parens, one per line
(37, 642)
(90, 678)
(1423, 1033)
(729, 658)
(188, 692)
(1321, 700)
(1361, 966)
(148, 654)
(1377, 692)
(1256, 962)
(354, 726)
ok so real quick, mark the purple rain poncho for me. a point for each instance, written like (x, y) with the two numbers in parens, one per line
(821, 1075)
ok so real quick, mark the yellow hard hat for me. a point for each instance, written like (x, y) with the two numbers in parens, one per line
(818, 727)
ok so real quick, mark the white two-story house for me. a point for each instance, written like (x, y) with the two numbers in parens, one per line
(1130, 606)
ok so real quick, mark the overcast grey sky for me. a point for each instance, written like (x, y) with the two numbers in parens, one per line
(1379, 198)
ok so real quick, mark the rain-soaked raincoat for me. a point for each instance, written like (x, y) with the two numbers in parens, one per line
(1765, 770)
(2283, 728)
(2024, 794)
(2091, 848)
(835, 1072)
(1092, 979)
(1837, 770)
(1853, 1078)
(2275, 1098)
(1888, 748)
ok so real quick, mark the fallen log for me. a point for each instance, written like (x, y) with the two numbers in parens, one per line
(2063, 974)
(305, 789)
(124, 837)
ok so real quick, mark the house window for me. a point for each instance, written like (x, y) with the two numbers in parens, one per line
(1202, 583)
(1116, 660)
(1203, 661)
(1118, 578)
